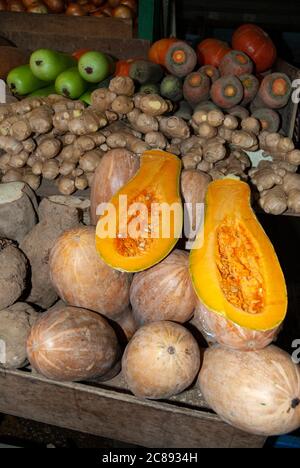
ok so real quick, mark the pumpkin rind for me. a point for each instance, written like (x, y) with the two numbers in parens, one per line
(82, 279)
(116, 168)
(257, 392)
(157, 182)
(70, 344)
(233, 265)
(161, 360)
(217, 329)
(164, 292)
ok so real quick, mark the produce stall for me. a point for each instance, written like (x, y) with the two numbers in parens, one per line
(139, 324)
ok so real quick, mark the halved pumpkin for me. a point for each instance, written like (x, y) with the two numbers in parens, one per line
(233, 265)
(143, 221)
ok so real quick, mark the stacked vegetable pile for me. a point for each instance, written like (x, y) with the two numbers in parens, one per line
(214, 118)
(124, 9)
(51, 72)
(82, 336)
(97, 290)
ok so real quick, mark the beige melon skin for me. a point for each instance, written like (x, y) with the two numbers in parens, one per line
(116, 168)
(194, 185)
(217, 329)
(161, 360)
(127, 323)
(72, 344)
(82, 279)
(257, 392)
(164, 292)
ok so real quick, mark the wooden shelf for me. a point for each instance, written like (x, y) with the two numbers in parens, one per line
(109, 410)
(67, 34)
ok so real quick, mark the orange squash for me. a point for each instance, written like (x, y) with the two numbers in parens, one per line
(211, 51)
(159, 50)
(257, 44)
(234, 268)
(82, 279)
(144, 220)
(123, 67)
(257, 392)
(217, 329)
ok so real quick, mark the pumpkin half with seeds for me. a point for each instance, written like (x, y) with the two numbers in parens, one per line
(143, 221)
(234, 267)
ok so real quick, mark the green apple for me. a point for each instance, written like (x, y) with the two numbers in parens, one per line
(47, 64)
(94, 66)
(44, 92)
(21, 81)
(70, 84)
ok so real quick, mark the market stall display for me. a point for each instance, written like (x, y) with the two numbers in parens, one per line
(164, 130)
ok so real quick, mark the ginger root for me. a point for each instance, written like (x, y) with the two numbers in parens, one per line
(274, 201)
(122, 85)
(244, 140)
(102, 99)
(90, 160)
(214, 151)
(156, 140)
(174, 127)
(142, 122)
(122, 105)
(153, 104)
(205, 130)
(89, 121)
(48, 148)
(291, 182)
(128, 141)
(266, 176)
(294, 201)
(10, 145)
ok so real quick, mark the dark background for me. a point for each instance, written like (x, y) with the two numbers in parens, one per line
(218, 18)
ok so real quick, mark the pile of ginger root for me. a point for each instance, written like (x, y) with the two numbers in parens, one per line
(62, 140)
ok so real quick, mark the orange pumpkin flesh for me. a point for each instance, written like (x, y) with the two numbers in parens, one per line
(235, 271)
(133, 247)
(257, 392)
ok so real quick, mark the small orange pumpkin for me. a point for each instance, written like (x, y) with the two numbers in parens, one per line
(159, 49)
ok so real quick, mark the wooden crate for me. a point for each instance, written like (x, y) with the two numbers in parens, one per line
(67, 34)
(109, 410)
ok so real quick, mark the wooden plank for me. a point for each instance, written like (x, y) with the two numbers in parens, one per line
(119, 48)
(115, 414)
(83, 27)
(111, 35)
